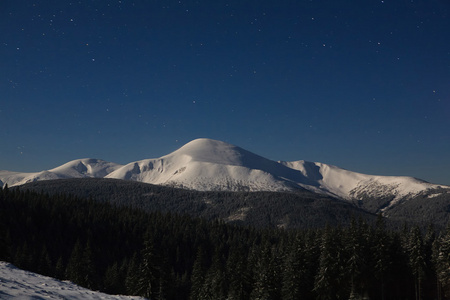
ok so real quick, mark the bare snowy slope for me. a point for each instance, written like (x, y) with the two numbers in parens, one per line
(80, 168)
(19, 284)
(363, 189)
(206, 164)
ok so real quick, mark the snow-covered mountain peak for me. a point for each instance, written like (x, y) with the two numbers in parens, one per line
(213, 151)
(86, 167)
(79, 168)
(206, 164)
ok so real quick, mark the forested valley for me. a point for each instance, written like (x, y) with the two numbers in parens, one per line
(161, 255)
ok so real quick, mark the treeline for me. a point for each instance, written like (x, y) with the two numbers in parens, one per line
(165, 256)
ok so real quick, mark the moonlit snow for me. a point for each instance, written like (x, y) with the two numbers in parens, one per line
(205, 165)
(20, 284)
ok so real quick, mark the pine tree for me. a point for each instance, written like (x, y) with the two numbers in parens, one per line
(59, 268)
(132, 276)
(442, 259)
(381, 254)
(417, 260)
(327, 279)
(165, 282)
(148, 272)
(215, 284)
(198, 274)
(87, 267)
(239, 278)
(5, 242)
(268, 281)
(112, 279)
(45, 263)
(74, 270)
(295, 272)
(23, 258)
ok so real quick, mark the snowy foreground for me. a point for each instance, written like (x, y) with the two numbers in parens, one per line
(19, 284)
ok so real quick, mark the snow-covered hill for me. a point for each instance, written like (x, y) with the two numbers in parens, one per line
(80, 168)
(206, 164)
(359, 188)
(19, 284)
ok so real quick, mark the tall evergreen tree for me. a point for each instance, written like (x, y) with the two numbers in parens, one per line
(112, 280)
(198, 274)
(74, 269)
(328, 277)
(239, 277)
(442, 259)
(88, 268)
(60, 269)
(381, 255)
(148, 272)
(45, 263)
(295, 272)
(417, 260)
(268, 281)
(132, 276)
(215, 285)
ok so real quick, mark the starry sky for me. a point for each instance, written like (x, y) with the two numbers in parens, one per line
(364, 85)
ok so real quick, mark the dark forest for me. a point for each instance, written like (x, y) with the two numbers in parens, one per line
(121, 250)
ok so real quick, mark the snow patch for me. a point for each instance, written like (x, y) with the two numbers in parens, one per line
(238, 215)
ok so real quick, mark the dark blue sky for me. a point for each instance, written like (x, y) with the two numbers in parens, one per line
(364, 85)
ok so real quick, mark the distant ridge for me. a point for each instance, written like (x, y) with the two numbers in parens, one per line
(211, 165)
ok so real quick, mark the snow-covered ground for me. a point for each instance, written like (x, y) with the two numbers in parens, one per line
(20, 284)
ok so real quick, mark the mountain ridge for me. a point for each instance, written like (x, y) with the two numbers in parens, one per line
(212, 165)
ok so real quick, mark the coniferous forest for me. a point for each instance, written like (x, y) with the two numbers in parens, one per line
(121, 250)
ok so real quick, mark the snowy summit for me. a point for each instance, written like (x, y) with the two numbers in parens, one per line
(211, 165)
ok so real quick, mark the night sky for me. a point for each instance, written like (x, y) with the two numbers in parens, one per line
(364, 85)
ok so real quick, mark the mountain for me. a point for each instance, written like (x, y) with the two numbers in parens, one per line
(211, 165)
(19, 284)
(80, 168)
(207, 165)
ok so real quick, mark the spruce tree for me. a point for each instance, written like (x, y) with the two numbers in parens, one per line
(417, 260)
(198, 274)
(327, 279)
(45, 263)
(59, 269)
(442, 259)
(239, 278)
(294, 272)
(148, 272)
(268, 281)
(88, 269)
(381, 255)
(112, 279)
(215, 285)
(132, 276)
(74, 270)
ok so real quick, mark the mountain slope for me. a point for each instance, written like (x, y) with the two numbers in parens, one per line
(373, 193)
(80, 168)
(210, 165)
(205, 164)
(300, 209)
